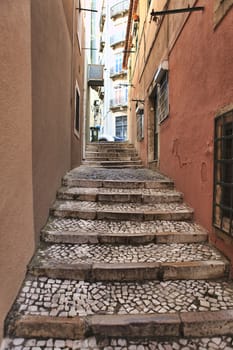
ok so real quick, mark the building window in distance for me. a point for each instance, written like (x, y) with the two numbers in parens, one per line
(121, 127)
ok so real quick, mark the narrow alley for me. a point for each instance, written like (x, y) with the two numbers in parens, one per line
(122, 265)
(116, 182)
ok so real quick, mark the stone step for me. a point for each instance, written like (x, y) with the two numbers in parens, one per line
(47, 307)
(119, 195)
(111, 152)
(121, 211)
(114, 163)
(113, 178)
(120, 343)
(96, 146)
(112, 158)
(128, 263)
(63, 230)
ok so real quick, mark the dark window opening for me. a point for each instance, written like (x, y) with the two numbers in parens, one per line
(163, 103)
(77, 116)
(223, 173)
(140, 123)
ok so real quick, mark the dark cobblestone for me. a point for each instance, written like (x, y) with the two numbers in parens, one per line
(92, 173)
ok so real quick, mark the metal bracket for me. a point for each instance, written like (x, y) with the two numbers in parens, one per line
(136, 100)
(82, 9)
(154, 14)
(89, 48)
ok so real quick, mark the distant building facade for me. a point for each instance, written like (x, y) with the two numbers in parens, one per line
(181, 105)
(115, 92)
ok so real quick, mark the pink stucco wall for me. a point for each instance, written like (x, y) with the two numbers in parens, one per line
(16, 206)
(200, 84)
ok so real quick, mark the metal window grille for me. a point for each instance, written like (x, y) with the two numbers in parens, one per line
(223, 173)
(140, 124)
(163, 103)
(77, 115)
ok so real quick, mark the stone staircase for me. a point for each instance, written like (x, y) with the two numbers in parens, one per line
(112, 155)
(122, 265)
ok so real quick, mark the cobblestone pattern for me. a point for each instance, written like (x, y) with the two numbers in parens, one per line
(85, 172)
(75, 253)
(69, 298)
(213, 343)
(121, 227)
(120, 207)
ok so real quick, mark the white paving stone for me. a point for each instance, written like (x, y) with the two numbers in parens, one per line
(84, 298)
(223, 343)
(78, 253)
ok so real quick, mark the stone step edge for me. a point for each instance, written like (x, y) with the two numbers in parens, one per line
(93, 214)
(159, 184)
(113, 162)
(186, 324)
(114, 166)
(111, 158)
(92, 196)
(84, 237)
(126, 272)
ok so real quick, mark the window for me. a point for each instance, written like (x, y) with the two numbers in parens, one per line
(140, 123)
(121, 127)
(77, 111)
(121, 95)
(163, 104)
(118, 63)
(223, 173)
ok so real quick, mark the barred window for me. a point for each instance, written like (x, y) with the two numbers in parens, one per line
(163, 103)
(140, 123)
(223, 173)
(77, 111)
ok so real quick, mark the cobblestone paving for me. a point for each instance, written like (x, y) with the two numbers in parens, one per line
(75, 253)
(121, 227)
(85, 172)
(69, 298)
(213, 343)
(120, 207)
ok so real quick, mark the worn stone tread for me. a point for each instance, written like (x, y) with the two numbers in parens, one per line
(85, 176)
(101, 253)
(128, 263)
(121, 211)
(71, 230)
(53, 297)
(158, 326)
(140, 195)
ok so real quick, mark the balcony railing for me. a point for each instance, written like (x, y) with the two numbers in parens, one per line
(115, 72)
(120, 8)
(117, 38)
(118, 102)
